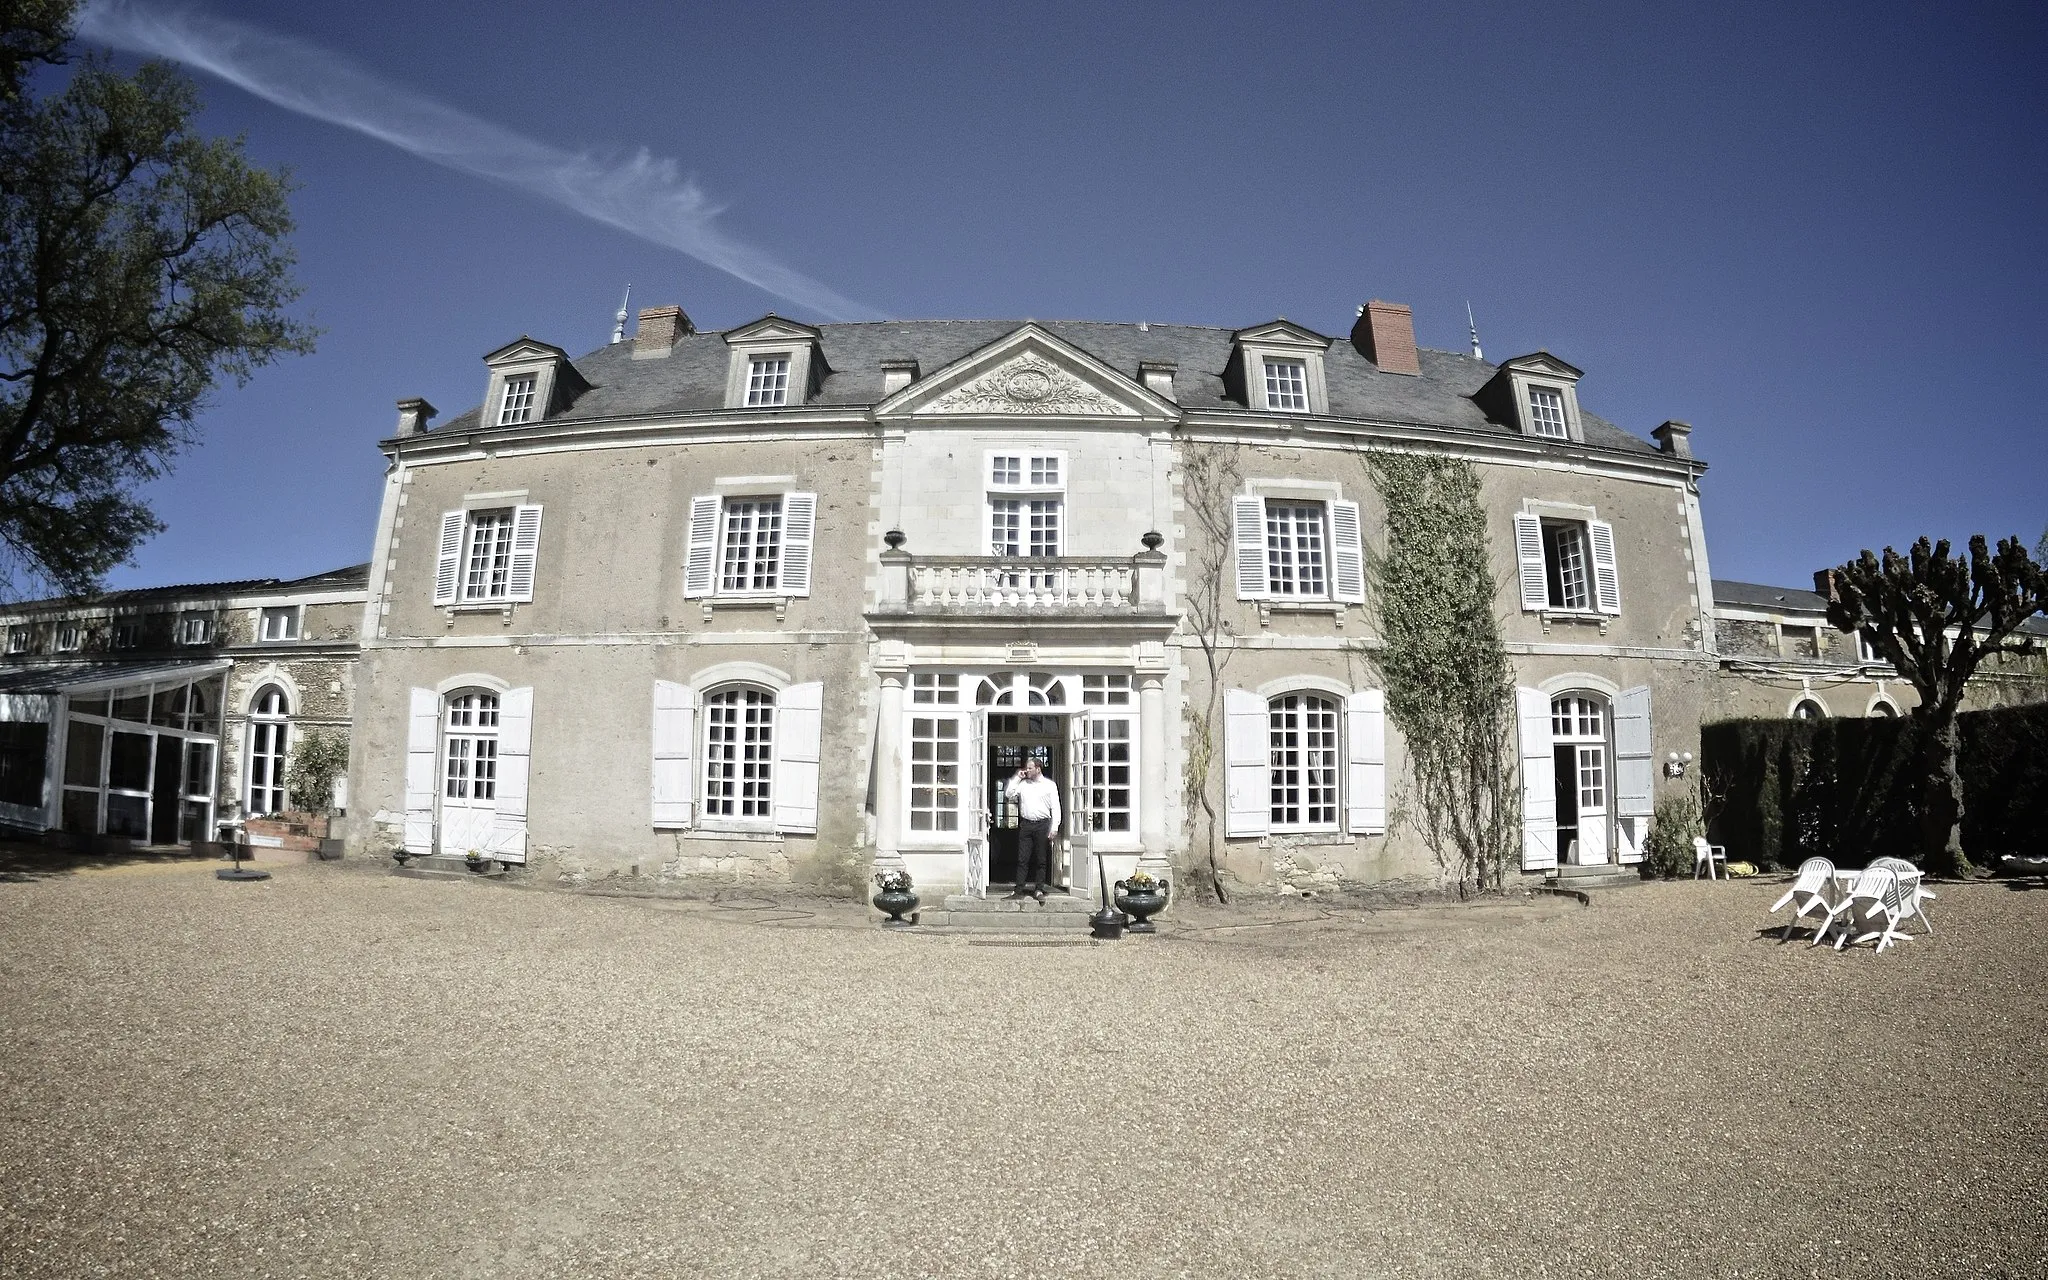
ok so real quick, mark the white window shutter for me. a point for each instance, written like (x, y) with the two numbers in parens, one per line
(1635, 771)
(448, 562)
(525, 553)
(1248, 535)
(422, 752)
(1539, 779)
(1606, 579)
(799, 516)
(1247, 763)
(700, 564)
(507, 840)
(799, 733)
(1366, 733)
(1529, 563)
(675, 732)
(1347, 554)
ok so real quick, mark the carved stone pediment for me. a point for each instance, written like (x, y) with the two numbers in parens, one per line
(1029, 373)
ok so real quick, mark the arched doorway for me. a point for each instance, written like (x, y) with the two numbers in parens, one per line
(469, 770)
(269, 730)
(1579, 726)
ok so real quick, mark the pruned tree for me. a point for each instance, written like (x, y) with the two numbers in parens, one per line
(1209, 476)
(1936, 617)
(140, 263)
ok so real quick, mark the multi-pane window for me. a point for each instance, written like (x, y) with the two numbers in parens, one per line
(935, 689)
(1107, 690)
(1295, 557)
(751, 545)
(1106, 774)
(1564, 562)
(1808, 709)
(1027, 471)
(1546, 412)
(739, 753)
(17, 640)
(934, 774)
(268, 730)
(487, 565)
(1287, 385)
(1574, 717)
(1045, 472)
(195, 628)
(470, 748)
(1006, 471)
(279, 624)
(1866, 651)
(517, 405)
(1302, 742)
(1024, 527)
(127, 635)
(768, 380)
(67, 636)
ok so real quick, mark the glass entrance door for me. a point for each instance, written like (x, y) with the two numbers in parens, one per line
(1013, 739)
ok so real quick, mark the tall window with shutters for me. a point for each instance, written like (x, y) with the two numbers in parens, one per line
(488, 556)
(1566, 565)
(744, 757)
(1305, 761)
(1298, 549)
(749, 545)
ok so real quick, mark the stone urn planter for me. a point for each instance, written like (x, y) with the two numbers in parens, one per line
(476, 862)
(893, 896)
(1141, 897)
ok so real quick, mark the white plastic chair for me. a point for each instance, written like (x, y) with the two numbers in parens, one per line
(1916, 902)
(1808, 893)
(1706, 855)
(1873, 898)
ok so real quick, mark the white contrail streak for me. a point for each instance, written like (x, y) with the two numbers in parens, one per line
(639, 194)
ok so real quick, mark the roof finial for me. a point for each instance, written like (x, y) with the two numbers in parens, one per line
(619, 328)
(1472, 324)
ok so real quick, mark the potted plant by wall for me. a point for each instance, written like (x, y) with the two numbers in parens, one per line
(893, 895)
(319, 757)
(476, 860)
(1142, 896)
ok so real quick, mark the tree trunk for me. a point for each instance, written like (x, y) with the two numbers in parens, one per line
(1941, 799)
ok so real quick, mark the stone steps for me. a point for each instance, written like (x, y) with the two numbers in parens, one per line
(1060, 912)
(1599, 876)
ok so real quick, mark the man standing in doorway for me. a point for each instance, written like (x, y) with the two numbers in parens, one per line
(1038, 812)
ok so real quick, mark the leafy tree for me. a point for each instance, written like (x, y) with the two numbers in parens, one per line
(139, 263)
(1935, 617)
(318, 759)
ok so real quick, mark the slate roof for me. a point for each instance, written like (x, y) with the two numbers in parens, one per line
(1755, 595)
(355, 575)
(691, 378)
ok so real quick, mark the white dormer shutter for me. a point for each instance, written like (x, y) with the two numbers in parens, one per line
(422, 747)
(1539, 779)
(1247, 764)
(448, 562)
(1529, 563)
(507, 840)
(1366, 733)
(675, 732)
(1248, 535)
(1347, 554)
(1606, 581)
(700, 563)
(799, 515)
(799, 733)
(525, 553)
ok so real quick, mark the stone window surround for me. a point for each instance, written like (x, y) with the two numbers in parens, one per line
(294, 616)
(542, 368)
(1255, 351)
(1574, 513)
(1523, 379)
(777, 338)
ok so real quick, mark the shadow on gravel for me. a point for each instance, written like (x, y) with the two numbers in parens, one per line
(23, 863)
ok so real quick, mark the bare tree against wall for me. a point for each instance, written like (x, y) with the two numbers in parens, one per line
(1936, 617)
(1209, 478)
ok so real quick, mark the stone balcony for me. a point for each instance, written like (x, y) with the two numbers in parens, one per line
(1009, 587)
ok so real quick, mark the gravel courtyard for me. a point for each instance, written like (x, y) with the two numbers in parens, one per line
(343, 1073)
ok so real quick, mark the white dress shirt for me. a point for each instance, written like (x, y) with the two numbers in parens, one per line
(1035, 800)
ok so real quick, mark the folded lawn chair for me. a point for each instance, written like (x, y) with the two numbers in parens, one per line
(1873, 909)
(1920, 896)
(1706, 855)
(1809, 892)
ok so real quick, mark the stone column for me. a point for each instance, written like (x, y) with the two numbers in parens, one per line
(889, 772)
(1152, 781)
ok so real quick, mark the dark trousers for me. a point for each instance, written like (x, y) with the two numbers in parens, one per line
(1034, 852)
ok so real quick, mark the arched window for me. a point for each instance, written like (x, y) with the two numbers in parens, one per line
(269, 731)
(1046, 690)
(1302, 741)
(996, 690)
(469, 749)
(1808, 709)
(1883, 707)
(739, 752)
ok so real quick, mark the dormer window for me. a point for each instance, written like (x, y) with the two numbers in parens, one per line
(195, 628)
(68, 635)
(518, 402)
(1546, 413)
(1287, 385)
(767, 380)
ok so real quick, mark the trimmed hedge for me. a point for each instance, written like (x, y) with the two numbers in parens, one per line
(1848, 789)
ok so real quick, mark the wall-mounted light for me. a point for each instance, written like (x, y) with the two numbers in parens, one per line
(1674, 764)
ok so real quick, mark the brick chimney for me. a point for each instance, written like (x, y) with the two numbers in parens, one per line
(413, 415)
(1385, 335)
(660, 329)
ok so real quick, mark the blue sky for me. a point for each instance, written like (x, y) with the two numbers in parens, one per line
(1815, 235)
